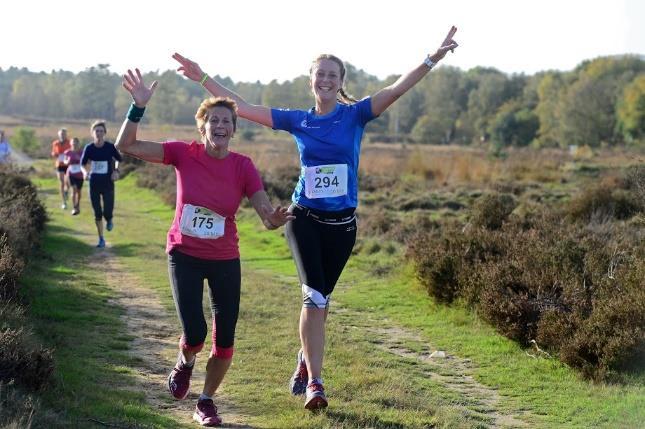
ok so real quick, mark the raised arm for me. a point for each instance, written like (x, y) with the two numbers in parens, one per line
(127, 141)
(271, 218)
(252, 112)
(388, 95)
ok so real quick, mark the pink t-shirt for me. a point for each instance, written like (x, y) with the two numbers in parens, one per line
(74, 159)
(218, 185)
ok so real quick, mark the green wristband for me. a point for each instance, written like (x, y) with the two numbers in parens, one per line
(203, 81)
(135, 113)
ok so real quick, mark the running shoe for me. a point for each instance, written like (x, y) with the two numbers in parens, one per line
(63, 206)
(75, 211)
(109, 225)
(101, 243)
(179, 379)
(206, 413)
(315, 396)
(298, 382)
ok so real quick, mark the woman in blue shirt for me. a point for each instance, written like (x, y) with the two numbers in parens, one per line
(322, 235)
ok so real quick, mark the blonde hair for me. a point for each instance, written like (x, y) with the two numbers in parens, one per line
(202, 112)
(342, 96)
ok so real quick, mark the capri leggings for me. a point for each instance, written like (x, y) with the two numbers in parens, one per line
(187, 275)
(107, 192)
(321, 243)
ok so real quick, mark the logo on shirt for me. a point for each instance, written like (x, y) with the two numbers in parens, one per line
(325, 170)
(305, 124)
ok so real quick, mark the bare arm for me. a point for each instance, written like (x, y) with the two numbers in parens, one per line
(127, 141)
(271, 218)
(388, 95)
(252, 112)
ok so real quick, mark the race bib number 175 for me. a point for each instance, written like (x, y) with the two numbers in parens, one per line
(201, 222)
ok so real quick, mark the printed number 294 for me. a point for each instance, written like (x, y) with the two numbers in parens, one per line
(326, 182)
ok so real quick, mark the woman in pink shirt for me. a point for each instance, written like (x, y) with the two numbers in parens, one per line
(202, 241)
(74, 173)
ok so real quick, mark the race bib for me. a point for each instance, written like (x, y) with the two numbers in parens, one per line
(323, 181)
(74, 168)
(99, 167)
(201, 222)
(61, 158)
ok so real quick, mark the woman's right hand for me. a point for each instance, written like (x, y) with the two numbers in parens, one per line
(136, 87)
(189, 68)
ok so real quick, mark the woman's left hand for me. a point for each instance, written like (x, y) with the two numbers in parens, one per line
(115, 175)
(276, 218)
(448, 44)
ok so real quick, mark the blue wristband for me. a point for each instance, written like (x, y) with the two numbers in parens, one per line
(135, 113)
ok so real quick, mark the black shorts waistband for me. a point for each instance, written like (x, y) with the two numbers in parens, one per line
(340, 216)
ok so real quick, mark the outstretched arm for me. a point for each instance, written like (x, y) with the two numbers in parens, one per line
(127, 141)
(388, 95)
(252, 112)
(271, 218)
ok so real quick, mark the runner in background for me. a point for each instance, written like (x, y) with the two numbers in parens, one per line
(74, 173)
(5, 149)
(202, 242)
(103, 159)
(58, 153)
(322, 236)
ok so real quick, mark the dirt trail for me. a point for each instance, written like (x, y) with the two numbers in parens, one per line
(452, 372)
(155, 345)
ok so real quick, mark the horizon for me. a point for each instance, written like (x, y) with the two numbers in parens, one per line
(159, 72)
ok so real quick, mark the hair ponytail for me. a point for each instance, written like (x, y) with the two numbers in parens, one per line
(345, 98)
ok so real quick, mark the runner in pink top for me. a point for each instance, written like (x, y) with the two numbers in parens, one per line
(202, 241)
(74, 173)
(220, 186)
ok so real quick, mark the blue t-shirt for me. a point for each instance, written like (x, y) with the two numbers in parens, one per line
(102, 159)
(323, 140)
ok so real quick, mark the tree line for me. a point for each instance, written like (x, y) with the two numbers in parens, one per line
(600, 102)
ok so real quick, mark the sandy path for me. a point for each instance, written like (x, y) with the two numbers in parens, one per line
(155, 346)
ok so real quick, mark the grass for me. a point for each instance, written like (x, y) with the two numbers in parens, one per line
(368, 384)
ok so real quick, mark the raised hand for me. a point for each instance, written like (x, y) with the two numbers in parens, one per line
(136, 87)
(448, 44)
(189, 68)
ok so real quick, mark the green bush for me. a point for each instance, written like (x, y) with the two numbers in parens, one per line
(25, 139)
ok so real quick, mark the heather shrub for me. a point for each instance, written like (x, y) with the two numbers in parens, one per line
(575, 287)
(10, 270)
(492, 210)
(26, 364)
(22, 220)
(280, 182)
(160, 178)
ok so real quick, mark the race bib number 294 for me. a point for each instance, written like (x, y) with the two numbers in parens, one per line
(324, 181)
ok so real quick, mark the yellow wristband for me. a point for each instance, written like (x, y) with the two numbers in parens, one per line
(203, 81)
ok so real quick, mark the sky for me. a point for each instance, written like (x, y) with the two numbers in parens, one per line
(251, 40)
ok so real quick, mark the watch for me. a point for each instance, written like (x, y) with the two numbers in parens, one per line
(427, 61)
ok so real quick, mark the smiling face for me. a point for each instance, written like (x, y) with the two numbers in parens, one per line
(218, 128)
(326, 80)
